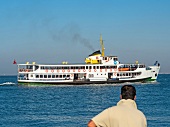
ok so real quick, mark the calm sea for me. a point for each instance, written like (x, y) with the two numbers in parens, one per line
(74, 106)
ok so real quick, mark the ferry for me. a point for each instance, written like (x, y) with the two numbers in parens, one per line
(97, 69)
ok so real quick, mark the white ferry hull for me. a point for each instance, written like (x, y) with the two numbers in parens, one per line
(82, 82)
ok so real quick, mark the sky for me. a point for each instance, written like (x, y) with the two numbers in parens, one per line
(53, 31)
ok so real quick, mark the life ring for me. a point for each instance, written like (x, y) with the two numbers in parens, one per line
(46, 70)
(71, 75)
(95, 70)
(100, 70)
(68, 70)
(73, 70)
(63, 70)
(111, 69)
(115, 62)
(84, 70)
(115, 73)
(78, 70)
(52, 70)
(115, 69)
(89, 70)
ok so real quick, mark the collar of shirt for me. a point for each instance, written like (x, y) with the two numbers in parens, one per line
(128, 102)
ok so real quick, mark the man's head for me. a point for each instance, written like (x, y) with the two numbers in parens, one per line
(128, 92)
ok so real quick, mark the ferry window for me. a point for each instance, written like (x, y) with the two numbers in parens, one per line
(76, 67)
(41, 76)
(94, 67)
(65, 67)
(36, 67)
(53, 76)
(126, 74)
(97, 67)
(89, 67)
(115, 59)
(141, 66)
(45, 76)
(68, 76)
(91, 75)
(83, 67)
(37, 76)
(59, 67)
(117, 74)
(49, 76)
(56, 76)
(64, 76)
(60, 76)
(86, 67)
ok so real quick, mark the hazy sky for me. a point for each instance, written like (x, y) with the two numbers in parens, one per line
(52, 31)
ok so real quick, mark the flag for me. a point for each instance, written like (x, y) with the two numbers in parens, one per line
(14, 62)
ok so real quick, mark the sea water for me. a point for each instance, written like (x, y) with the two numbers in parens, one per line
(74, 106)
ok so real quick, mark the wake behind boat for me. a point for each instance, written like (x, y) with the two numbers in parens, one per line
(97, 69)
(7, 83)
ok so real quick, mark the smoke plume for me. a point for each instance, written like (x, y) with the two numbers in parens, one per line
(77, 38)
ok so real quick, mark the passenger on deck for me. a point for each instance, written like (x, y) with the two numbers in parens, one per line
(125, 114)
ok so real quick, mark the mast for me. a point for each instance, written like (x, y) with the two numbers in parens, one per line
(102, 45)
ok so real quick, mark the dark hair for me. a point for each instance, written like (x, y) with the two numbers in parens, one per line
(128, 92)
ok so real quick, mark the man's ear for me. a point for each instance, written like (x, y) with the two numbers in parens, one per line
(120, 96)
(135, 97)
